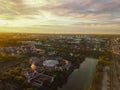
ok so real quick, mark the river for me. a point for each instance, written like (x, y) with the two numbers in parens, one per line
(81, 78)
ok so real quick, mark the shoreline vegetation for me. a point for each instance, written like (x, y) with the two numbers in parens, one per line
(103, 61)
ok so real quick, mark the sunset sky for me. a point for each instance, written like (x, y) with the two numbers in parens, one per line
(60, 16)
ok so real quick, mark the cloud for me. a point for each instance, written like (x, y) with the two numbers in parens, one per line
(86, 8)
(60, 12)
(16, 8)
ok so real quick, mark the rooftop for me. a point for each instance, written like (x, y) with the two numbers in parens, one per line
(50, 63)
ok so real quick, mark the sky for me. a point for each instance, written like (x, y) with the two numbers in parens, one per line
(60, 16)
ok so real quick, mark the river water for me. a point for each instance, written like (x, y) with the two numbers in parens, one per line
(81, 78)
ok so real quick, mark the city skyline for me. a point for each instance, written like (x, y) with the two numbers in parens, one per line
(60, 16)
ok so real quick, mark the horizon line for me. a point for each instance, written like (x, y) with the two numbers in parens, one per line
(60, 33)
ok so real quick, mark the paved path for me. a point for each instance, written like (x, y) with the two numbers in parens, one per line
(105, 79)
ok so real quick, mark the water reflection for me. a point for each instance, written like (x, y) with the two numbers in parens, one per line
(81, 78)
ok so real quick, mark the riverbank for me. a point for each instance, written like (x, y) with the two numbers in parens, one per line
(80, 79)
(100, 82)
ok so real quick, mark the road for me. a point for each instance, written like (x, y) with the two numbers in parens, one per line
(105, 82)
(115, 85)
